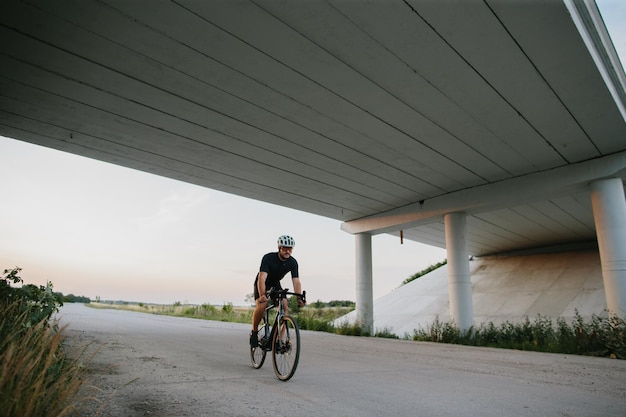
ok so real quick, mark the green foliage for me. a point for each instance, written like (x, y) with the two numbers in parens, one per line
(424, 272)
(294, 308)
(37, 378)
(386, 333)
(333, 303)
(602, 336)
(205, 311)
(342, 303)
(228, 309)
(318, 318)
(312, 319)
(71, 298)
(36, 303)
(350, 329)
(439, 332)
(599, 337)
(190, 311)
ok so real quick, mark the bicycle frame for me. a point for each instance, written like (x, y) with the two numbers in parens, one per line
(285, 346)
(281, 296)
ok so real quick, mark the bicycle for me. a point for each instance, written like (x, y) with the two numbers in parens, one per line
(285, 343)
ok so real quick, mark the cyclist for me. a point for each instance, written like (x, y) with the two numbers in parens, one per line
(274, 267)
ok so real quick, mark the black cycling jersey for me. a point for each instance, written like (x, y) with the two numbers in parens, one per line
(276, 270)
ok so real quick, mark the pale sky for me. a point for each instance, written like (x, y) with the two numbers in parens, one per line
(97, 229)
(100, 230)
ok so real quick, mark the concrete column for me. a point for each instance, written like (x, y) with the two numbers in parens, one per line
(364, 292)
(459, 282)
(609, 213)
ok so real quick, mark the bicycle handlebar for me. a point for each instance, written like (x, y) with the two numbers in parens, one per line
(285, 292)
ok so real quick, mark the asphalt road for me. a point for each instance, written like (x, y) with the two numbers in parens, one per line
(149, 365)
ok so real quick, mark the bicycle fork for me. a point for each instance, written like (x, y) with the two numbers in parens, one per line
(283, 338)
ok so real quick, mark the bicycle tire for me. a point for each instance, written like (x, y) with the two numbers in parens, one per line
(286, 349)
(257, 354)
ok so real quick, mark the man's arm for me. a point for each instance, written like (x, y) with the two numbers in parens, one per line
(297, 288)
(261, 286)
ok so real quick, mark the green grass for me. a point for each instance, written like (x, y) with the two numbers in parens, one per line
(424, 272)
(308, 318)
(227, 312)
(319, 319)
(598, 337)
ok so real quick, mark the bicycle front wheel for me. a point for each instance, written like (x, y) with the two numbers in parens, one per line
(257, 354)
(286, 348)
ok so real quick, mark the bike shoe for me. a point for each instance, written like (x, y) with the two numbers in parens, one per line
(254, 339)
(263, 342)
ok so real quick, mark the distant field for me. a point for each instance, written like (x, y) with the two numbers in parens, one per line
(310, 317)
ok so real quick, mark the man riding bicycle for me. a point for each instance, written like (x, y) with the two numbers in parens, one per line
(274, 267)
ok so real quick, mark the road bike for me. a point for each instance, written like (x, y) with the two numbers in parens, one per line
(282, 338)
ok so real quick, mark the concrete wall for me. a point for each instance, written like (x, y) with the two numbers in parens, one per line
(505, 288)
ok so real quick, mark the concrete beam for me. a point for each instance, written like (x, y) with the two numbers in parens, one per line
(520, 190)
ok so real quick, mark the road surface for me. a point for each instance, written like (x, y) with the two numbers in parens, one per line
(149, 365)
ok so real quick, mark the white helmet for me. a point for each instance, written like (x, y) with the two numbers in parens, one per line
(286, 241)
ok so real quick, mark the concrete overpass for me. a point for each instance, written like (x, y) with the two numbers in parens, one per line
(479, 126)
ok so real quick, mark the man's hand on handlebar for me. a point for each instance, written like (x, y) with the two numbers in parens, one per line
(302, 299)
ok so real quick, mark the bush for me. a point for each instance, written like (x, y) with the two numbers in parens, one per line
(228, 309)
(386, 333)
(37, 378)
(351, 329)
(36, 303)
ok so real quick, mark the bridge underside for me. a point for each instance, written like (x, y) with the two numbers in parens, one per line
(386, 115)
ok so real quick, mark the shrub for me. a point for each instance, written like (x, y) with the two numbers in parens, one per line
(37, 378)
(34, 304)
(386, 333)
(228, 308)
(190, 311)
(351, 329)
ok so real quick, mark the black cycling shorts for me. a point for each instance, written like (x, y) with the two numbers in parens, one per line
(256, 289)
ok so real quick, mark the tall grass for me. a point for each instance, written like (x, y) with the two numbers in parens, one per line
(37, 377)
(601, 336)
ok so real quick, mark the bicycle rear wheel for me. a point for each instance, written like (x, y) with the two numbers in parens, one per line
(286, 348)
(257, 354)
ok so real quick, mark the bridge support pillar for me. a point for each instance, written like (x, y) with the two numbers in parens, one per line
(459, 282)
(364, 291)
(609, 213)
